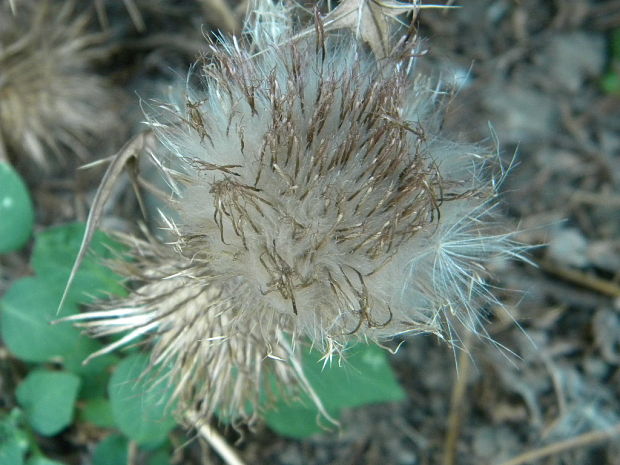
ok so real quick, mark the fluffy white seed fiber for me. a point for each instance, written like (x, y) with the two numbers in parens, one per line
(315, 200)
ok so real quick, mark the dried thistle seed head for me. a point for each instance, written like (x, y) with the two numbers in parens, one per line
(50, 102)
(315, 200)
(220, 360)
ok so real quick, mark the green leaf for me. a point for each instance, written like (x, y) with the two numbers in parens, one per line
(140, 402)
(55, 251)
(98, 411)
(296, 420)
(113, 450)
(11, 452)
(95, 374)
(48, 399)
(27, 309)
(41, 460)
(32, 303)
(161, 457)
(611, 79)
(611, 82)
(15, 210)
(365, 377)
(615, 44)
(13, 441)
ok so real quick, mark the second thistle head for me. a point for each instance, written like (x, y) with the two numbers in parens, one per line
(51, 101)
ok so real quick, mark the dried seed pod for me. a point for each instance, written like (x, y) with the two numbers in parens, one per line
(314, 199)
(50, 101)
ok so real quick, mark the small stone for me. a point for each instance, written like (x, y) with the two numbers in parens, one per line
(521, 114)
(569, 59)
(605, 255)
(569, 247)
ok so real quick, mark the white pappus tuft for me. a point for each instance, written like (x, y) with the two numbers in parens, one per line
(315, 200)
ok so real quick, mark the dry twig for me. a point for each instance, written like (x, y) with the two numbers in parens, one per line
(593, 283)
(119, 162)
(215, 440)
(456, 410)
(583, 440)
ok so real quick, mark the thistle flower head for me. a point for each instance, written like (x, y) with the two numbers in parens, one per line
(49, 101)
(316, 200)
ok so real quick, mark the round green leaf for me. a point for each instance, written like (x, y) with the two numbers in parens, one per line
(15, 210)
(140, 402)
(11, 452)
(297, 420)
(112, 450)
(55, 251)
(27, 309)
(48, 399)
(31, 303)
(98, 411)
(365, 377)
(14, 442)
(611, 82)
(160, 457)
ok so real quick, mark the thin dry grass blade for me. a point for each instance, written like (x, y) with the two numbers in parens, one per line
(135, 15)
(215, 439)
(219, 13)
(371, 20)
(583, 440)
(132, 10)
(127, 155)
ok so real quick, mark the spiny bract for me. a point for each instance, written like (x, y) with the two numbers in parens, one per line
(314, 200)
